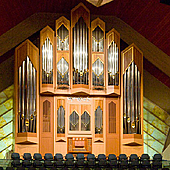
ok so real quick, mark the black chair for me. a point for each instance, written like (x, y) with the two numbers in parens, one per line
(21, 168)
(157, 161)
(134, 161)
(15, 160)
(31, 168)
(58, 160)
(9, 168)
(102, 162)
(123, 161)
(1, 168)
(48, 163)
(145, 161)
(42, 168)
(91, 160)
(27, 162)
(69, 160)
(80, 162)
(112, 160)
(37, 160)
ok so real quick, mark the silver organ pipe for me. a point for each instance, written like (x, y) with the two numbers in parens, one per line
(98, 121)
(97, 66)
(97, 40)
(62, 38)
(113, 63)
(136, 97)
(27, 97)
(61, 120)
(19, 99)
(34, 98)
(125, 103)
(62, 65)
(80, 53)
(23, 96)
(139, 101)
(128, 100)
(47, 62)
(131, 92)
(132, 99)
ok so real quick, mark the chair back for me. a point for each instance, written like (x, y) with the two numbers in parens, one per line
(37, 156)
(27, 156)
(80, 156)
(58, 156)
(15, 156)
(48, 156)
(69, 156)
(101, 156)
(112, 157)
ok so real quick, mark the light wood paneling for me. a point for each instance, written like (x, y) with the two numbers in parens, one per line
(27, 48)
(47, 137)
(45, 33)
(112, 135)
(112, 36)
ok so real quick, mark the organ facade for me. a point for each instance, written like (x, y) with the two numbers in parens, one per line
(78, 93)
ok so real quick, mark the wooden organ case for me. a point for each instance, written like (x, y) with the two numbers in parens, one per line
(85, 104)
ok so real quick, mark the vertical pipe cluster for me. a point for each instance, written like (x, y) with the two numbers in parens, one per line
(62, 65)
(47, 62)
(98, 121)
(131, 100)
(97, 40)
(80, 53)
(61, 120)
(113, 64)
(98, 73)
(74, 121)
(63, 72)
(85, 121)
(62, 39)
(27, 76)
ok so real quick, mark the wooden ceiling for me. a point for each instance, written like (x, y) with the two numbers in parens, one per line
(150, 18)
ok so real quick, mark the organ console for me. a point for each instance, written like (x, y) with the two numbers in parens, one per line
(90, 97)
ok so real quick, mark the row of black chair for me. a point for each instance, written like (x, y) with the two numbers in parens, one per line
(90, 161)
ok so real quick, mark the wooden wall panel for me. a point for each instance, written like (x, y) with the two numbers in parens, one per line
(47, 138)
(112, 135)
(21, 149)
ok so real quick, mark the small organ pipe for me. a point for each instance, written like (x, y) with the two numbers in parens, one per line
(139, 101)
(19, 98)
(23, 94)
(136, 98)
(128, 98)
(132, 99)
(125, 103)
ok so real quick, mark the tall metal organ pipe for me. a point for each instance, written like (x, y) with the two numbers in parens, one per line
(113, 64)
(47, 62)
(27, 97)
(132, 101)
(80, 52)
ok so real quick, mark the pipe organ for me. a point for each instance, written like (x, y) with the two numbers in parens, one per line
(90, 96)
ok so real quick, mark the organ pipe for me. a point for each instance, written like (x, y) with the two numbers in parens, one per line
(132, 102)
(47, 62)
(62, 38)
(80, 53)
(113, 64)
(98, 64)
(27, 97)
